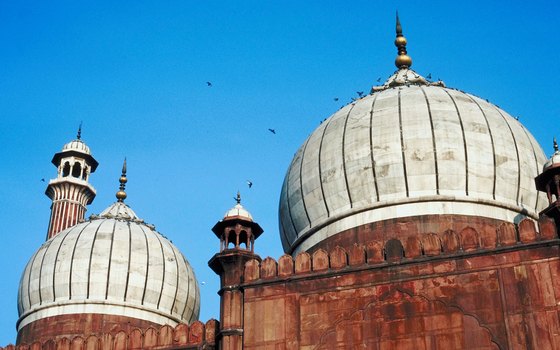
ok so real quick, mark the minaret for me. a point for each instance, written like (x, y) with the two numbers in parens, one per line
(70, 192)
(549, 182)
(237, 233)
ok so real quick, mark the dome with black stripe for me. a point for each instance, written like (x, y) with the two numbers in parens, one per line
(112, 264)
(410, 148)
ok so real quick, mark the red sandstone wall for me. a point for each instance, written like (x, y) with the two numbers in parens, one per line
(428, 291)
(72, 325)
(196, 336)
(403, 228)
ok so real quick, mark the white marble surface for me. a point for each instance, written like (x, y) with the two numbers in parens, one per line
(406, 144)
(113, 264)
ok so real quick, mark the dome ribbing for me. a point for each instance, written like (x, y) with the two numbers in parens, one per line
(410, 148)
(112, 264)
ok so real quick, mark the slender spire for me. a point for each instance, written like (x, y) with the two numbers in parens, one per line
(403, 61)
(79, 136)
(238, 199)
(121, 194)
(555, 145)
(399, 27)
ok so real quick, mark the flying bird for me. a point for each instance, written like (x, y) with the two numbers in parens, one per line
(429, 76)
(43, 180)
(378, 79)
(209, 84)
(272, 131)
(249, 183)
(336, 98)
(360, 93)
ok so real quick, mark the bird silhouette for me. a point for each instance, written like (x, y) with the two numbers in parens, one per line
(43, 180)
(360, 93)
(378, 79)
(429, 76)
(249, 183)
(272, 131)
(209, 84)
(336, 98)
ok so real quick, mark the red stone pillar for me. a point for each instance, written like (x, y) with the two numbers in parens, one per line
(68, 208)
(237, 232)
(230, 265)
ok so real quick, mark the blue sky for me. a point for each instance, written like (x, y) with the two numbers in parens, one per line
(135, 74)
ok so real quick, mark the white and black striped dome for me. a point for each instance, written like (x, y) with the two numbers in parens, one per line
(112, 264)
(76, 145)
(554, 160)
(410, 148)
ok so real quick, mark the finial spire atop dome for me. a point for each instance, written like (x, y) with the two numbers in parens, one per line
(399, 27)
(121, 194)
(404, 76)
(79, 136)
(555, 145)
(402, 61)
(238, 198)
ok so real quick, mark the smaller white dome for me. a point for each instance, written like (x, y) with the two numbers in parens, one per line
(554, 160)
(113, 264)
(76, 145)
(238, 211)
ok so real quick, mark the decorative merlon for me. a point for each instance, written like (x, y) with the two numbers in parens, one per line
(394, 251)
(197, 335)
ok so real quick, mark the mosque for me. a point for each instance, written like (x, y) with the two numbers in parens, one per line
(416, 217)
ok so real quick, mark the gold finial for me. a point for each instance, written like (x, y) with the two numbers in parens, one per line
(121, 194)
(402, 61)
(555, 145)
(238, 199)
(79, 136)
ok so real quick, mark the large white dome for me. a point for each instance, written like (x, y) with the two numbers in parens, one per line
(410, 148)
(112, 264)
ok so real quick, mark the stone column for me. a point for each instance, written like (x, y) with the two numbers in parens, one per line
(230, 266)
